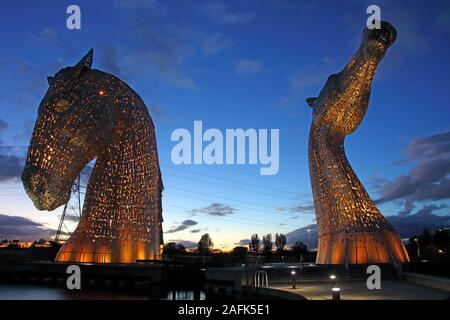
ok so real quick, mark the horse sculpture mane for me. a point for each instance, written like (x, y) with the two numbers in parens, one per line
(350, 228)
(87, 114)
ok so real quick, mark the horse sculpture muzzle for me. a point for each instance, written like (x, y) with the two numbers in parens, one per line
(45, 194)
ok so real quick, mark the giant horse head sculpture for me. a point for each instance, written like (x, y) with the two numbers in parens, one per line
(351, 230)
(88, 114)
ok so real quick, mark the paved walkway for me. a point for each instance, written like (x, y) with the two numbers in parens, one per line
(355, 290)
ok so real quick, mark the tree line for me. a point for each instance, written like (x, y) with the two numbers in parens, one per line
(266, 246)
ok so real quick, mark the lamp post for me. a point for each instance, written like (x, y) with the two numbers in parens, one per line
(309, 243)
(333, 281)
(418, 247)
(293, 279)
(336, 293)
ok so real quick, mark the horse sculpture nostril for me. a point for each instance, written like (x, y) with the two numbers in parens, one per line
(40, 190)
(33, 181)
(388, 32)
(384, 36)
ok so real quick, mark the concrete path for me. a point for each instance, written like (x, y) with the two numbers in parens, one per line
(355, 290)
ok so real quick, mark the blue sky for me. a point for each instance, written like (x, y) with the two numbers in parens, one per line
(242, 64)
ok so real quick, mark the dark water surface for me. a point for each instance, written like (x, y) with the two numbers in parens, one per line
(39, 292)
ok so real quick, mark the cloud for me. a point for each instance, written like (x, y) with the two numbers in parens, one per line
(151, 5)
(159, 49)
(196, 230)
(162, 48)
(162, 54)
(406, 225)
(109, 58)
(300, 208)
(307, 82)
(51, 38)
(215, 209)
(220, 13)
(244, 242)
(428, 179)
(11, 167)
(408, 208)
(11, 164)
(71, 218)
(431, 146)
(186, 243)
(216, 43)
(183, 226)
(429, 209)
(15, 227)
(33, 80)
(30, 84)
(248, 67)
(303, 235)
(147, 7)
(3, 126)
(409, 225)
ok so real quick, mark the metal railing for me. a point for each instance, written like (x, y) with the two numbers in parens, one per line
(261, 279)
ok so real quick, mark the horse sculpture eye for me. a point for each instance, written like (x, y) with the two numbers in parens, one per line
(62, 105)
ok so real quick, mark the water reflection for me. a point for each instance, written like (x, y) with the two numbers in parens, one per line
(185, 295)
(36, 292)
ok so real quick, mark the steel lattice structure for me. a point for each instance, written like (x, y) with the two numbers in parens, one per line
(351, 230)
(71, 213)
(88, 114)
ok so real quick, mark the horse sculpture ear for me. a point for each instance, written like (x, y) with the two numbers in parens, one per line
(50, 80)
(84, 64)
(311, 101)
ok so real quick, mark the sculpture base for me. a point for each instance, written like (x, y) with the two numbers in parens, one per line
(106, 251)
(361, 248)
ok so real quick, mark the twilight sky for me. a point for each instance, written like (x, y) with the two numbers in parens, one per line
(240, 64)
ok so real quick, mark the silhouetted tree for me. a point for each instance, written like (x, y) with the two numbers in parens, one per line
(280, 242)
(267, 243)
(426, 238)
(300, 249)
(170, 249)
(441, 239)
(412, 246)
(429, 244)
(205, 245)
(239, 251)
(254, 243)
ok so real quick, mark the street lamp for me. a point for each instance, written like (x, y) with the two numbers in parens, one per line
(293, 279)
(418, 247)
(333, 281)
(309, 243)
(336, 293)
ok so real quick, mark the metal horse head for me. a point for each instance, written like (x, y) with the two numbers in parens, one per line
(69, 132)
(344, 99)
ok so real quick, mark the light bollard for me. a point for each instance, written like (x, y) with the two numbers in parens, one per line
(336, 293)
(294, 285)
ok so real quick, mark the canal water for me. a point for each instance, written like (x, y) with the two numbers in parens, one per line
(39, 292)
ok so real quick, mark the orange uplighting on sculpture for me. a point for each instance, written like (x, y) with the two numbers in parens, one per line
(351, 230)
(87, 114)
